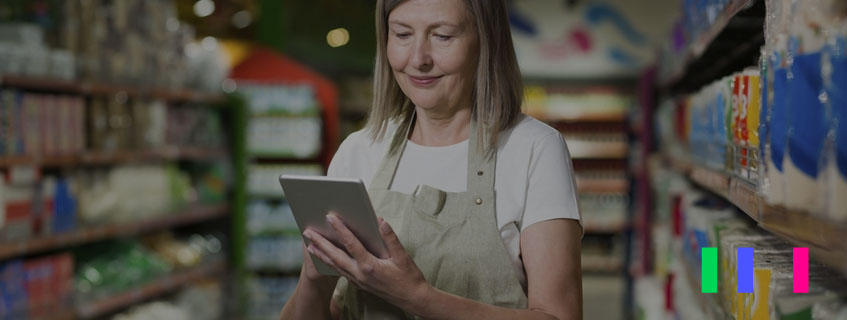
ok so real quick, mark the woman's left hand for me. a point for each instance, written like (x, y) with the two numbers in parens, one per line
(396, 278)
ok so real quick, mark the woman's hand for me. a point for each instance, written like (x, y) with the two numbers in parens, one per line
(311, 273)
(396, 278)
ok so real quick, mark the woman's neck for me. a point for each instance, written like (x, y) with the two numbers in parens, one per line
(438, 128)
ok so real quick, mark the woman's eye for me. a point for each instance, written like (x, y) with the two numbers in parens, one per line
(443, 37)
(403, 35)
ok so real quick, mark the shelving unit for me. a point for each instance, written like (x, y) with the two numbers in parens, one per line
(116, 157)
(803, 229)
(186, 216)
(88, 88)
(151, 290)
(731, 43)
(189, 215)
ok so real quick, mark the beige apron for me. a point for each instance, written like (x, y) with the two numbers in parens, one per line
(452, 236)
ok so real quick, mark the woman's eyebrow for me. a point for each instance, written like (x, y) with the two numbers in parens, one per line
(440, 23)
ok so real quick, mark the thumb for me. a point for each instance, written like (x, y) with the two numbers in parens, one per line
(392, 243)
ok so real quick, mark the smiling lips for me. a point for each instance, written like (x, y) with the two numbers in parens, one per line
(423, 81)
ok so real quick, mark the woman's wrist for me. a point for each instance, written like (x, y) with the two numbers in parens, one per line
(419, 299)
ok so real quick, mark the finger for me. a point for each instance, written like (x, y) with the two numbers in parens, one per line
(318, 253)
(334, 255)
(349, 240)
(379, 220)
(392, 243)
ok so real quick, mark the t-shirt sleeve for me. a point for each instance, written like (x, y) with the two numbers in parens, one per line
(551, 192)
(340, 166)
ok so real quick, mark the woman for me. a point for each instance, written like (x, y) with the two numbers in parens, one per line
(496, 239)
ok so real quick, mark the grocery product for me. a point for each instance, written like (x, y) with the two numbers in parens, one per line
(267, 296)
(807, 125)
(835, 158)
(263, 179)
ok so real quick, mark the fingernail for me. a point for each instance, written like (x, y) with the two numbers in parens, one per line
(307, 234)
(385, 227)
(331, 218)
(311, 249)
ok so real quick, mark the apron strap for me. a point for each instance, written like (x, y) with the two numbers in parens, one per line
(481, 165)
(388, 166)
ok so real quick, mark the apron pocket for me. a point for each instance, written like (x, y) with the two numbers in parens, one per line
(428, 200)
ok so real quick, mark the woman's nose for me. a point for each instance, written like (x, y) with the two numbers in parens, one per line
(421, 57)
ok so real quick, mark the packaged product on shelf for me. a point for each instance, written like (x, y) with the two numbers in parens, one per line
(131, 193)
(267, 296)
(601, 209)
(279, 136)
(776, 44)
(263, 179)
(155, 310)
(289, 100)
(275, 253)
(13, 295)
(110, 268)
(48, 284)
(807, 125)
(835, 162)
(268, 218)
(833, 309)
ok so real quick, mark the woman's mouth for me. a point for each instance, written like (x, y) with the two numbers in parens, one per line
(423, 81)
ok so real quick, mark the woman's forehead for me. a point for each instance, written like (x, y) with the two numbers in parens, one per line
(429, 13)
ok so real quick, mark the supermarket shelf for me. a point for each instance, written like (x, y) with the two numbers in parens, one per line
(605, 228)
(114, 157)
(188, 215)
(824, 238)
(588, 185)
(602, 264)
(582, 149)
(103, 89)
(586, 117)
(708, 57)
(154, 289)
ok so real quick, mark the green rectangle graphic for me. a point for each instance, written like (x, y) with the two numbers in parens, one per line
(709, 270)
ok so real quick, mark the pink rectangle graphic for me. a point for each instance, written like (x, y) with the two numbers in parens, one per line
(801, 270)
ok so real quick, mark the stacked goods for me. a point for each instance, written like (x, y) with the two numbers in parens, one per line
(32, 206)
(688, 221)
(37, 287)
(274, 242)
(285, 121)
(803, 52)
(41, 124)
(780, 123)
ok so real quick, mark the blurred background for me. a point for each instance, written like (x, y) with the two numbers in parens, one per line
(141, 141)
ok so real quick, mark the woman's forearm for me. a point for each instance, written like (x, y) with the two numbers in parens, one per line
(310, 300)
(439, 305)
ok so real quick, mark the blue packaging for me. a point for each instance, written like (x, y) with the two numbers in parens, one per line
(807, 125)
(779, 117)
(64, 207)
(13, 295)
(838, 101)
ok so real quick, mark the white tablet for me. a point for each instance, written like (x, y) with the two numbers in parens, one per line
(313, 197)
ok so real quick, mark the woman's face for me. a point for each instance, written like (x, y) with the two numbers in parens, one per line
(432, 49)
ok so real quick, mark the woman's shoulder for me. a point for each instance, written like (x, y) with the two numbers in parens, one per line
(358, 153)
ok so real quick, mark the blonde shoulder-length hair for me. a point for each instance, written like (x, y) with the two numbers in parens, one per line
(498, 89)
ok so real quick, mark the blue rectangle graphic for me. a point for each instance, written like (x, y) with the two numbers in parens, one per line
(744, 269)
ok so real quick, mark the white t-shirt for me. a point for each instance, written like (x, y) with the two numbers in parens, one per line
(533, 181)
